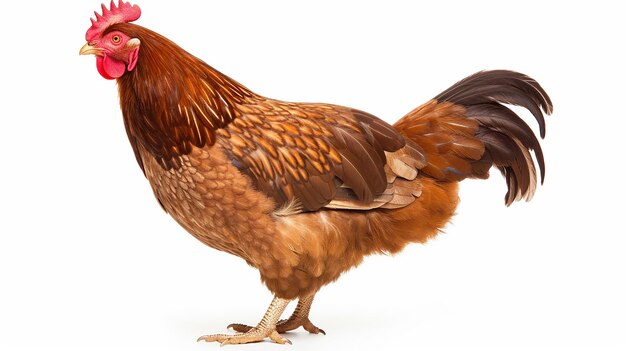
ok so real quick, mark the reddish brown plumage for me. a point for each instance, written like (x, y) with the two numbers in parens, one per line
(173, 102)
(304, 191)
(301, 191)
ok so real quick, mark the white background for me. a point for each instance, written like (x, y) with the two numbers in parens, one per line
(88, 260)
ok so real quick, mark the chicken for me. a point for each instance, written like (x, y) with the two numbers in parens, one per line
(304, 191)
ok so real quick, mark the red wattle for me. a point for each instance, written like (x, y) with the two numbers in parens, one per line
(110, 68)
(100, 67)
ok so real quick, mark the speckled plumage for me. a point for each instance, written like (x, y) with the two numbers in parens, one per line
(302, 191)
(216, 203)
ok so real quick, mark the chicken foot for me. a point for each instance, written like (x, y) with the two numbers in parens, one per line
(299, 318)
(265, 329)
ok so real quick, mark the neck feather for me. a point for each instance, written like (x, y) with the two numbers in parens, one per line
(172, 100)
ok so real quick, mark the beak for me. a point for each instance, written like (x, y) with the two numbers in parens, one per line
(89, 50)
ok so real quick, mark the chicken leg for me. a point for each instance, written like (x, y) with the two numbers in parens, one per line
(299, 318)
(265, 329)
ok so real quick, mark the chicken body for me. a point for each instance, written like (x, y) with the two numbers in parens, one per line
(296, 252)
(303, 192)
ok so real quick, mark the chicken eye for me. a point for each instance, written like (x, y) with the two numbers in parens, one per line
(116, 39)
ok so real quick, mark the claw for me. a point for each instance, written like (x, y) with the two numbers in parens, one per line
(211, 338)
(311, 328)
(275, 337)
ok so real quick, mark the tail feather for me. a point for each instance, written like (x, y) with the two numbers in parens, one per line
(501, 86)
(501, 119)
(497, 136)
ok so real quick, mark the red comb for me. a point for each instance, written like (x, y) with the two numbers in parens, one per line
(122, 13)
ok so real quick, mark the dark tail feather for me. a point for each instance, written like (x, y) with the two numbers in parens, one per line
(501, 86)
(506, 136)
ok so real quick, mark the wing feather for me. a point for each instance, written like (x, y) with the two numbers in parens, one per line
(321, 155)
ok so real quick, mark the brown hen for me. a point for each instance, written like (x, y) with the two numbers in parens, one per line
(304, 191)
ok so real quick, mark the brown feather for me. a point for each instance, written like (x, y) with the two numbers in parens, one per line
(320, 143)
(263, 179)
(465, 130)
(168, 116)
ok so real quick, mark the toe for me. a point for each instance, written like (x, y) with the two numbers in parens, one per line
(277, 338)
(308, 326)
(214, 337)
(241, 328)
(252, 335)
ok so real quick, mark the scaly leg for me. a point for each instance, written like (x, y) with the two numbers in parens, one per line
(265, 329)
(299, 318)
